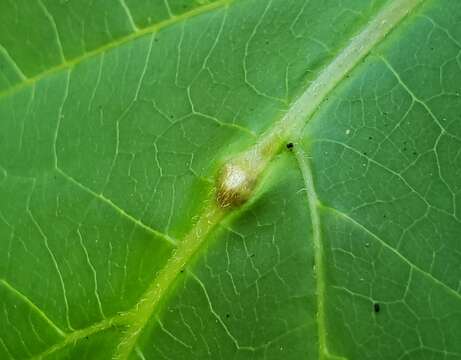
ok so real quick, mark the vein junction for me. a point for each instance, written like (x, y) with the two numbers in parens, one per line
(255, 160)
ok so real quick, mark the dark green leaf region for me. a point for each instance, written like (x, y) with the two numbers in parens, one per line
(230, 179)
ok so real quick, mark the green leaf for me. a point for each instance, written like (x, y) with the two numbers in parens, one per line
(246, 179)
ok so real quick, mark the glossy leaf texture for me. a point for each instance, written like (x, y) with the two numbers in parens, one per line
(115, 118)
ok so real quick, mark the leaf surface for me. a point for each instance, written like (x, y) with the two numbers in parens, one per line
(115, 120)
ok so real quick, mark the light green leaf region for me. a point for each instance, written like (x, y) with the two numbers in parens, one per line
(115, 118)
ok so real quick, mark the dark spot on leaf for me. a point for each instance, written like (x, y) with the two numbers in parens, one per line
(415, 153)
(404, 149)
(364, 153)
(181, 271)
(370, 138)
(252, 255)
(227, 316)
(290, 145)
(376, 307)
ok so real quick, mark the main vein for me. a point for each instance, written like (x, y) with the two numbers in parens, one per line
(348, 58)
(143, 311)
(263, 151)
(303, 109)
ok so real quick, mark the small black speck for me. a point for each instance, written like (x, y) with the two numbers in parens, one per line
(227, 316)
(290, 145)
(415, 153)
(181, 271)
(171, 116)
(376, 307)
(252, 255)
(86, 337)
(404, 149)
(364, 154)
(384, 216)
(370, 138)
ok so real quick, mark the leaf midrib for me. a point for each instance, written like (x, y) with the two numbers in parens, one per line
(298, 114)
(290, 125)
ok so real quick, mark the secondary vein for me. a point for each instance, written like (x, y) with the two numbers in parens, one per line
(73, 337)
(261, 154)
(34, 307)
(26, 81)
(313, 202)
(118, 209)
(265, 149)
